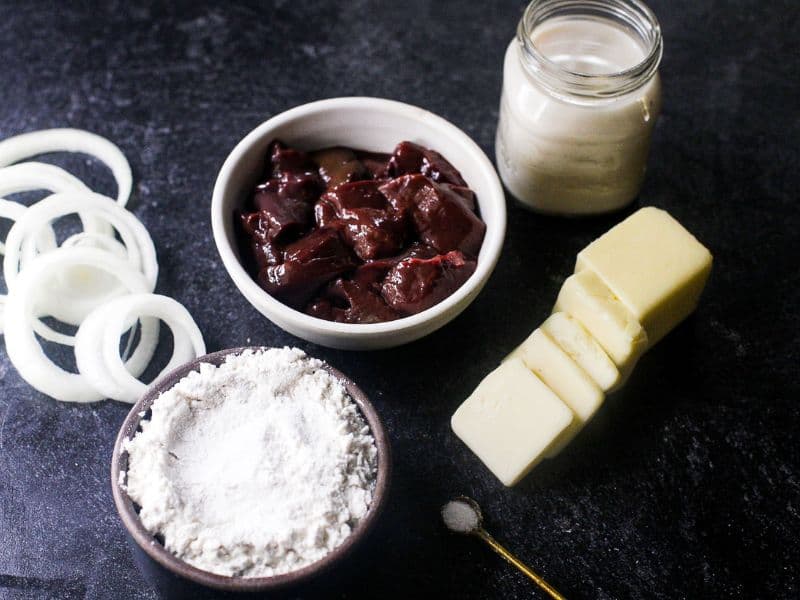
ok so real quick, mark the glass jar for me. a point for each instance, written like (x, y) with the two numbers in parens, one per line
(581, 95)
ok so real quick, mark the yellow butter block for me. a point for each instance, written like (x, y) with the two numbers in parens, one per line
(588, 300)
(510, 420)
(581, 347)
(562, 375)
(653, 265)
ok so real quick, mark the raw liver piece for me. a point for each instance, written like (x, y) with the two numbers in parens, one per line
(283, 159)
(374, 162)
(339, 165)
(440, 216)
(308, 264)
(357, 194)
(409, 157)
(263, 249)
(282, 218)
(348, 301)
(373, 272)
(415, 284)
(467, 194)
(366, 221)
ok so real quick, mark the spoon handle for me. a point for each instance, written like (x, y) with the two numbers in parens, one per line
(495, 545)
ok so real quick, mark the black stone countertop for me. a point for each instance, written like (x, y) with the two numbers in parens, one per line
(687, 482)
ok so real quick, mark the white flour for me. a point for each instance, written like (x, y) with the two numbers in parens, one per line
(257, 467)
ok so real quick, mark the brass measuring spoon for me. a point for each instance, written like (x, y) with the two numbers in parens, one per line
(463, 515)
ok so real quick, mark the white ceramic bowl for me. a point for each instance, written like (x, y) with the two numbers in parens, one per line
(377, 125)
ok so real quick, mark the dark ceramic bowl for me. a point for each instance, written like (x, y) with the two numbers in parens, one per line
(174, 577)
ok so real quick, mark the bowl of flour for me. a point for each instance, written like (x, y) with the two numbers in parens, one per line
(251, 469)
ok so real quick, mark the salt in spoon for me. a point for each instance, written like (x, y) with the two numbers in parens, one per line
(463, 515)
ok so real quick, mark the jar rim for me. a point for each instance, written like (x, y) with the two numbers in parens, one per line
(638, 19)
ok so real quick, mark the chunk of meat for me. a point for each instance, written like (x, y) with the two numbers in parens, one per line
(440, 216)
(308, 264)
(415, 284)
(348, 301)
(295, 187)
(278, 217)
(339, 165)
(357, 194)
(283, 159)
(367, 223)
(409, 158)
(373, 272)
(375, 162)
(467, 194)
(262, 246)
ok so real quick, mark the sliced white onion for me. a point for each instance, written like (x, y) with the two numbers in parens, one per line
(26, 145)
(13, 210)
(97, 342)
(47, 238)
(87, 239)
(31, 176)
(22, 308)
(71, 303)
(93, 280)
(89, 349)
(85, 282)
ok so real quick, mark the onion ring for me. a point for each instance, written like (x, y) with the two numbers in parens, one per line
(86, 239)
(72, 304)
(97, 342)
(26, 145)
(30, 176)
(22, 347)
(89, 349)
(12, 211)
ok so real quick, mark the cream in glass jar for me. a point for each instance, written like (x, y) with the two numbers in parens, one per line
(581, 95)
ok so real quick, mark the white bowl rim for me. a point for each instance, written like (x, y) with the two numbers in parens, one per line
(491, 246)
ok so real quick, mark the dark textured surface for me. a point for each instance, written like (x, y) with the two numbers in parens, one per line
(685, 485)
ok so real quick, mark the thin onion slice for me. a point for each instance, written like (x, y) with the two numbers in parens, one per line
(97, 342)
(99, 283)
(87, 239)
(89, 349)
(26, 145)
(74, 302)
(13, 211)
(22, 304)
(47, 239)
(31, 176)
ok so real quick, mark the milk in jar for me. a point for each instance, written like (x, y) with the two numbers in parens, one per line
(581, 95)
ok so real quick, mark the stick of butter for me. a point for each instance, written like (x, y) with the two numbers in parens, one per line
(587, 299)
(653, 265)
(510, 420)
(631, 287)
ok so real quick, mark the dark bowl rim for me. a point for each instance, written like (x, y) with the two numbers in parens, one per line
(156, 551)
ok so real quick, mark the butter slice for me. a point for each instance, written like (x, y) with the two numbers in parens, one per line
(581, 347)
(510, 420)
(562, 375)
(587, 299)
(653, 265)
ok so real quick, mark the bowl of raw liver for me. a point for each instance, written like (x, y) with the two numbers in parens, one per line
(374, 125)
